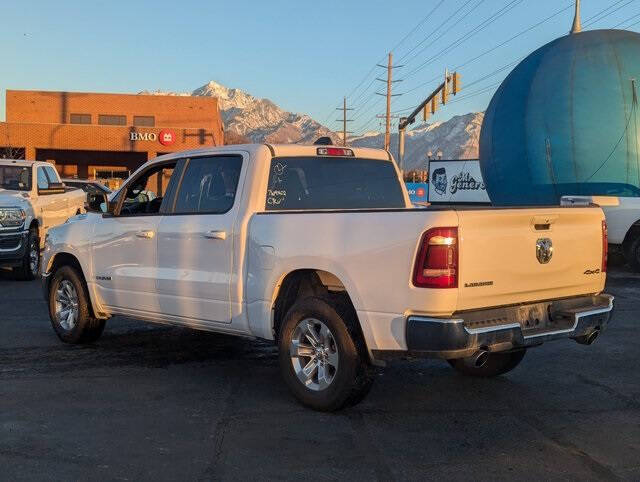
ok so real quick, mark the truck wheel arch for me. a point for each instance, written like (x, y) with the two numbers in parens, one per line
(303, 283)
(68, 259)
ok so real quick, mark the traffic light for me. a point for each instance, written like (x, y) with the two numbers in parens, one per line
(434, 104)
(425, 112)
(457, 83)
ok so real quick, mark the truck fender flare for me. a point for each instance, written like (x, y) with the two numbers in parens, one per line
(318, 282)
(68, 258)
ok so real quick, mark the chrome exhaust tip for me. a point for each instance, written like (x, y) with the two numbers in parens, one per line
(478, 359)
(590, 338)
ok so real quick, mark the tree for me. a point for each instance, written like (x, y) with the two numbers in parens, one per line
(10, 152)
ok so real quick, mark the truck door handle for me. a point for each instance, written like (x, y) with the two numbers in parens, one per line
(145, 234)
(216, 234)
(543, 223)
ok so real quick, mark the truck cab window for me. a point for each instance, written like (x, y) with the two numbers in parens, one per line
(209, 185)
(52, 174)
(43, 182)
(145, 194)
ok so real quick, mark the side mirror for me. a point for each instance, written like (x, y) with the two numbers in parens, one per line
(53, 188)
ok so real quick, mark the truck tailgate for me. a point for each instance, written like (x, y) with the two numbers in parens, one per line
(499, 259)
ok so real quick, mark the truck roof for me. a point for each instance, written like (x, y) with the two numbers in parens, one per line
(13, 162)
(278, 150)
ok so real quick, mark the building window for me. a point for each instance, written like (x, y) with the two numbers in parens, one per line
(80, 118)
(144, 120)
(112, 120)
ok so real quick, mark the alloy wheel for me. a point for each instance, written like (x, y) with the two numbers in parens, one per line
(314, 354)
(34, 256)
(66, 305)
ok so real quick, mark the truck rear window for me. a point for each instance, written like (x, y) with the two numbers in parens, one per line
(297, 183)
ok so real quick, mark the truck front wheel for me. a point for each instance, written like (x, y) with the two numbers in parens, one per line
(494, 364)
(30, 263)
(321, 356)
(69, 308)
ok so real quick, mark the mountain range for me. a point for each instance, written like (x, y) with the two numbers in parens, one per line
(261, 120)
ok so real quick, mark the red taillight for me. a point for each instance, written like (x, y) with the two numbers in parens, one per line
(605, 246)
(437, 262)
(334, 151)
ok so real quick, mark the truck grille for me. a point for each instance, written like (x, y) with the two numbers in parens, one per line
(10, 243)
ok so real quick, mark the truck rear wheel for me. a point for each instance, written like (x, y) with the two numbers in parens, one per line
(321, 357)
(30, 263)
(69, 308)
(494, 365)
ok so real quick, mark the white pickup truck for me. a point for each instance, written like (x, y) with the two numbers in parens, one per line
(623, 221)
(319, 249)
(32, 199)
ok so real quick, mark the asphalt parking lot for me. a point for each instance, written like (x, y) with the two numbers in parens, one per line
(162, 403)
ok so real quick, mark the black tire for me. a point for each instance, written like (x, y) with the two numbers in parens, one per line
(26, 271)
(496, 364)
(632, 253)
(86, 328)
(354, 376)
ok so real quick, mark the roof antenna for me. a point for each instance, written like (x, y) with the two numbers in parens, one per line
(577, 27)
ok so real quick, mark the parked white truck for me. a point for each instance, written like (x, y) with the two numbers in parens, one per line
(32, 200)
(623, 221)
(319, 249)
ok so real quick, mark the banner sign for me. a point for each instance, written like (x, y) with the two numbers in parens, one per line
(454, 182)
(418, 191)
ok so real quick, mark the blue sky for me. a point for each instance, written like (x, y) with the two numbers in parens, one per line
(304, 56)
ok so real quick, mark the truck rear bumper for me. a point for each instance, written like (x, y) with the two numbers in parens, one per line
(508, 328)
(12, 247)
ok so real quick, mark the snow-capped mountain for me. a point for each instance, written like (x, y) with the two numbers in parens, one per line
(261, 120)
(457, 138)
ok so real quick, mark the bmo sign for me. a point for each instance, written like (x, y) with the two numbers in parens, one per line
(165, 137)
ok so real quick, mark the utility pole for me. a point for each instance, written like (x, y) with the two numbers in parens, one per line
(344, 121)
(387, 131)
(389, 81)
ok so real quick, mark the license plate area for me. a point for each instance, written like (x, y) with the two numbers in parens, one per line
(533, 319)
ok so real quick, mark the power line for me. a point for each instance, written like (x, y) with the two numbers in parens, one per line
(488, 22)
(361, 95)
(474, 82)
(492, 49)
(631, 114)
(625, 21)
(451, 27)
(426, 17)
(372, 70)
(602, 14)
(519, 34)
(434, 31)
(477, 29)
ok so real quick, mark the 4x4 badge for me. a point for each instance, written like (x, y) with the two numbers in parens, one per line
(544, 250)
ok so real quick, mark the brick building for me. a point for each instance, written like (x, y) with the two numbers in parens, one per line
(104, 135)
